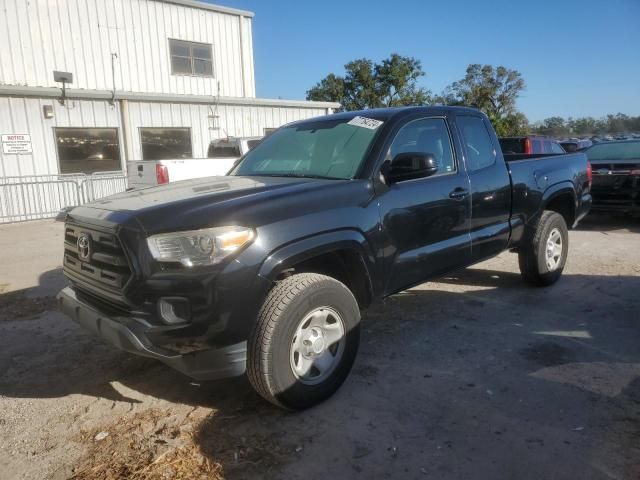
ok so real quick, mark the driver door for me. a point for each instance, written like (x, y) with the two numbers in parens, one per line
(426, 221)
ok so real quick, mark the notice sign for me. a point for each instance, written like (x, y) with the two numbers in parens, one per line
(16, 144)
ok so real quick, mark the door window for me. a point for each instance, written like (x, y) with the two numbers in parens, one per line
(427, 135)
(537, 146)
(480, 150)
(556, 148)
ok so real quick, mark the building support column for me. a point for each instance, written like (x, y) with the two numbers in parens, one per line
(126, 134)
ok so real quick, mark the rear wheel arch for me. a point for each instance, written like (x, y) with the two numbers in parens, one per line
(561, 199)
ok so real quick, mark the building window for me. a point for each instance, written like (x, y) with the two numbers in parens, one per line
(190, 58)
(88, 150)
(165, 143)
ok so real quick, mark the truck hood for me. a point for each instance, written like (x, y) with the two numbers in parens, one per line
(210, 189)
(231, 200)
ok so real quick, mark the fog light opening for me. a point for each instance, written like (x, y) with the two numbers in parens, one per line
(174, 311)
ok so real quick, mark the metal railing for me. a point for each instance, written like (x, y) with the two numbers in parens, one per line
(33, 197)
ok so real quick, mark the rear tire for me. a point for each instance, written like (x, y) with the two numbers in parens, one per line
(304, 317)
(543, 259)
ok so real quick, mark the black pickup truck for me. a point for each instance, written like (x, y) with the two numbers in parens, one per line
(265, 271)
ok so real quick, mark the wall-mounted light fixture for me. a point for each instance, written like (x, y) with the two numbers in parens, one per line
(47, 111)
(64, 78)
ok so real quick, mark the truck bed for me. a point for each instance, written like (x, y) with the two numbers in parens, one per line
(535, 176)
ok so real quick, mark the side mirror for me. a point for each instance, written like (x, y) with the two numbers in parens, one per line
(409, 166)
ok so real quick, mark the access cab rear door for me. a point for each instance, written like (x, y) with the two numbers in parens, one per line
(490, 186)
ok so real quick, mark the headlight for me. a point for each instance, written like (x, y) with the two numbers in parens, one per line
(199, 247)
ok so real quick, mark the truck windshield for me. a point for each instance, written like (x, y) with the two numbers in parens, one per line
(614, 151)
(331, 149)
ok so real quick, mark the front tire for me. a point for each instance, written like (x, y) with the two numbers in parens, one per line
(543, 259)
(304, 342)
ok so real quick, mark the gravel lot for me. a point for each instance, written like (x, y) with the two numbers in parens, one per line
(473, 376)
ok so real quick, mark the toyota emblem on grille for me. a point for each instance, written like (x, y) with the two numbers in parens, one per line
(84, 247)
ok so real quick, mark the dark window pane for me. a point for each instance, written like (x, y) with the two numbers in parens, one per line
(223, 150)
(480, 151)
(165, 143)
(180, 49)
(252, 143)
(181, 65)
(203, 52)
(202, 67)
(88, 150)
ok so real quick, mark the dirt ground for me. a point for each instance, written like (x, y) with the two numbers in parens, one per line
(473, 376)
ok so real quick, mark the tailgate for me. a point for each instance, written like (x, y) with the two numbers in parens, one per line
(142, 173)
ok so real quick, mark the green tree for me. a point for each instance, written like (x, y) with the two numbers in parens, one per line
(493, 90)
(390, 83)
(553, 127)
(512, 125)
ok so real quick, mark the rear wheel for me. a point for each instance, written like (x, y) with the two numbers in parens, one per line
(543, 259)
(304, 342)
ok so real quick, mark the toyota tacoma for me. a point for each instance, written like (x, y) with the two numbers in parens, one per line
(265, 271)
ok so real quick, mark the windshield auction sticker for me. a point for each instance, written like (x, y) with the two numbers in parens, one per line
(365, 122)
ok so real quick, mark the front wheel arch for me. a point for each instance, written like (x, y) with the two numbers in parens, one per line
(344, 255)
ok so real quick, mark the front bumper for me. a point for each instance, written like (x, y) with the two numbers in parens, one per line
(130, 335)
(616, 193)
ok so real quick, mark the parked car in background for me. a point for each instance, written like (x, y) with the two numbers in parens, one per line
(221, 155)
(266, 270)
(530, 144)
(575, 145)
(616, 176)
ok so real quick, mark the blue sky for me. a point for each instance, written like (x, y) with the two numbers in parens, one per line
(578, 57)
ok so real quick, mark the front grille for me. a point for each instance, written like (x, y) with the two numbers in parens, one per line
(105, 271)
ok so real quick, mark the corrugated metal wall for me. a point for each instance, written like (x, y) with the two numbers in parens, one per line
(24, 116)
(78, 36)
(238, 121)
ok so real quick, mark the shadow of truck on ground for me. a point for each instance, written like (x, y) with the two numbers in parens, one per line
(474, 376)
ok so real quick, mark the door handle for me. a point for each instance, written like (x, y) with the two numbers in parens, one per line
(459, 193)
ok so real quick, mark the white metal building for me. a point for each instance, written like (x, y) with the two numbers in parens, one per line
(151, 79)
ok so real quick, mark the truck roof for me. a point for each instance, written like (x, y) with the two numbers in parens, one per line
(392, 112)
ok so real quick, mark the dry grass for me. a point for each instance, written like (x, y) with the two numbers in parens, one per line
(178, 444)
(149, 445)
